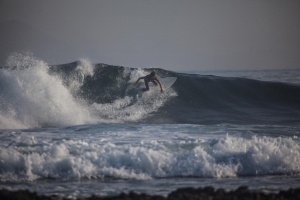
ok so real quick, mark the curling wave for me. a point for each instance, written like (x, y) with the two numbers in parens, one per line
(34, 94)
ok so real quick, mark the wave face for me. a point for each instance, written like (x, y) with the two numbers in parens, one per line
(34, 94)
(212, 99)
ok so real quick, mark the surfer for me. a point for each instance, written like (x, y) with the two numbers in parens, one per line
(151, 77)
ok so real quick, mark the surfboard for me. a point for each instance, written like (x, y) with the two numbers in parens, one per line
(166, 83)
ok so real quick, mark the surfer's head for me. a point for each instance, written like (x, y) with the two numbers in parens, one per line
(152, 74)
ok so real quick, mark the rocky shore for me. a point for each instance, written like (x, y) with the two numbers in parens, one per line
(207, 193)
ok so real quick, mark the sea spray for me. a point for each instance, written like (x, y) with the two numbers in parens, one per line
(76, 77)
(37, 98)
(34, 94)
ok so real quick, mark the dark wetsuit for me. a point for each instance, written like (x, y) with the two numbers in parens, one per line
(147, 79)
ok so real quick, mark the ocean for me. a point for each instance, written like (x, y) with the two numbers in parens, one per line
(79, 129)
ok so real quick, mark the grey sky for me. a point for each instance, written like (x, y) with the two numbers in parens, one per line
(170, 34)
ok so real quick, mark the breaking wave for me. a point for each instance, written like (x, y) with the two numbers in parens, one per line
(35, 94)
(32, 156)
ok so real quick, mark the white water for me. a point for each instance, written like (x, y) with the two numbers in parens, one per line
(133, 108)
(31, 97)
(143, 152)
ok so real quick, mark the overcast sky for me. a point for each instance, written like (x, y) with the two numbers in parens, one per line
(169, 34)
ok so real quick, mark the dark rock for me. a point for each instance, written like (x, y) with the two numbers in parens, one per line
(21, 195)
(242, 190)
(209, 190)
(207, 193)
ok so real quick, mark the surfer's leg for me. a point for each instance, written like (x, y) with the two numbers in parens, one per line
(147, 86)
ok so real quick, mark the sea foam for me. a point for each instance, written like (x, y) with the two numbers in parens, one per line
(121, 154)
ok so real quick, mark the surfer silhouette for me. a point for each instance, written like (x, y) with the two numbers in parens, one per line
(151, 77)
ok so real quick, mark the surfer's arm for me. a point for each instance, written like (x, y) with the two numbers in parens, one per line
(138, 80)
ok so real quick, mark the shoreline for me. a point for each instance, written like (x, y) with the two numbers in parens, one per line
(206, 193)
